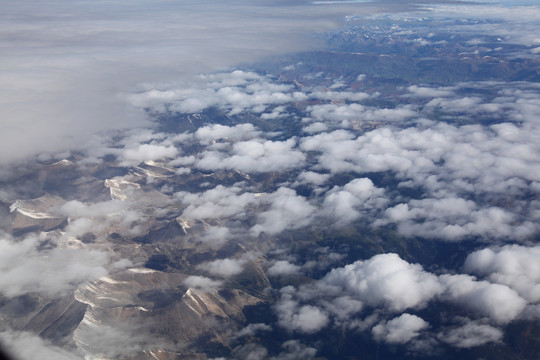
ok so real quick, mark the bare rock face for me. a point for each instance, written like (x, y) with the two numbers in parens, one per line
(135, 307)
(35, 213)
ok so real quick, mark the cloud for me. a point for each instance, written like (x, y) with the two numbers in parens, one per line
(218, 132)
(283, 267)
(499, 302)
(218, 202)
(249, 352)
(150, 152)
(83, 57)
(367, 292)
(346, 204)
(125, 216)
(471, 334)
(303, 318)
(234, 92)
(399, 330)
(293, 350)
(25, 345)
(515, 266)
(75, 208)
(202, 282)
(315, 127)
(215, 235)
(252, 329)
(101, 339)
(464, 172)
(225, 267)
(423, 91)
(311, 177)
(339, 95)
(344, 113)
(287, 211)
(257, 156)
(385, 280)
(26, 268)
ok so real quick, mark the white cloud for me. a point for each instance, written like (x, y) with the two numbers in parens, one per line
(399, 330)
(339, 95)
(53, 272)
(386, 284)
(471, 334)
(218, 202)
(423, 91)
(202, 282)
(385, 280)
(346, 112)
(283, 267)
(515, 266)
(217, 132)
(462, 171)
(252, 329)
(256, 156)
(224, 267)
(287, 211)
(25, 345)
(215, 235)
(294, 350)
(233, 92)
(83, 55)
(311, 177)
(345, 204)
(306, 318)
(499, 302)
(151, 152)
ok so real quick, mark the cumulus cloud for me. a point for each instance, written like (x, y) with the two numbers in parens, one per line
(471, 334)
(217, 132)
(345, 204)
(345, 113)
(399, 330)
(499, 302)
(515, 266)
(215, 235)
(429, 92)
(252, 329)
(218, 202)
(311, 177)
(303, 318)
(283, 267)
(463, 172)
(233, 92)
(293, 350)
(339, 95)
(75, 208)
(256, 156)
(225, 267)
(384, 285)
(101, 339)
(25, 268)
(287, 210)
(25, 345)
(202, 282)
(125, 216)
(150, 152)
(385, 280)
